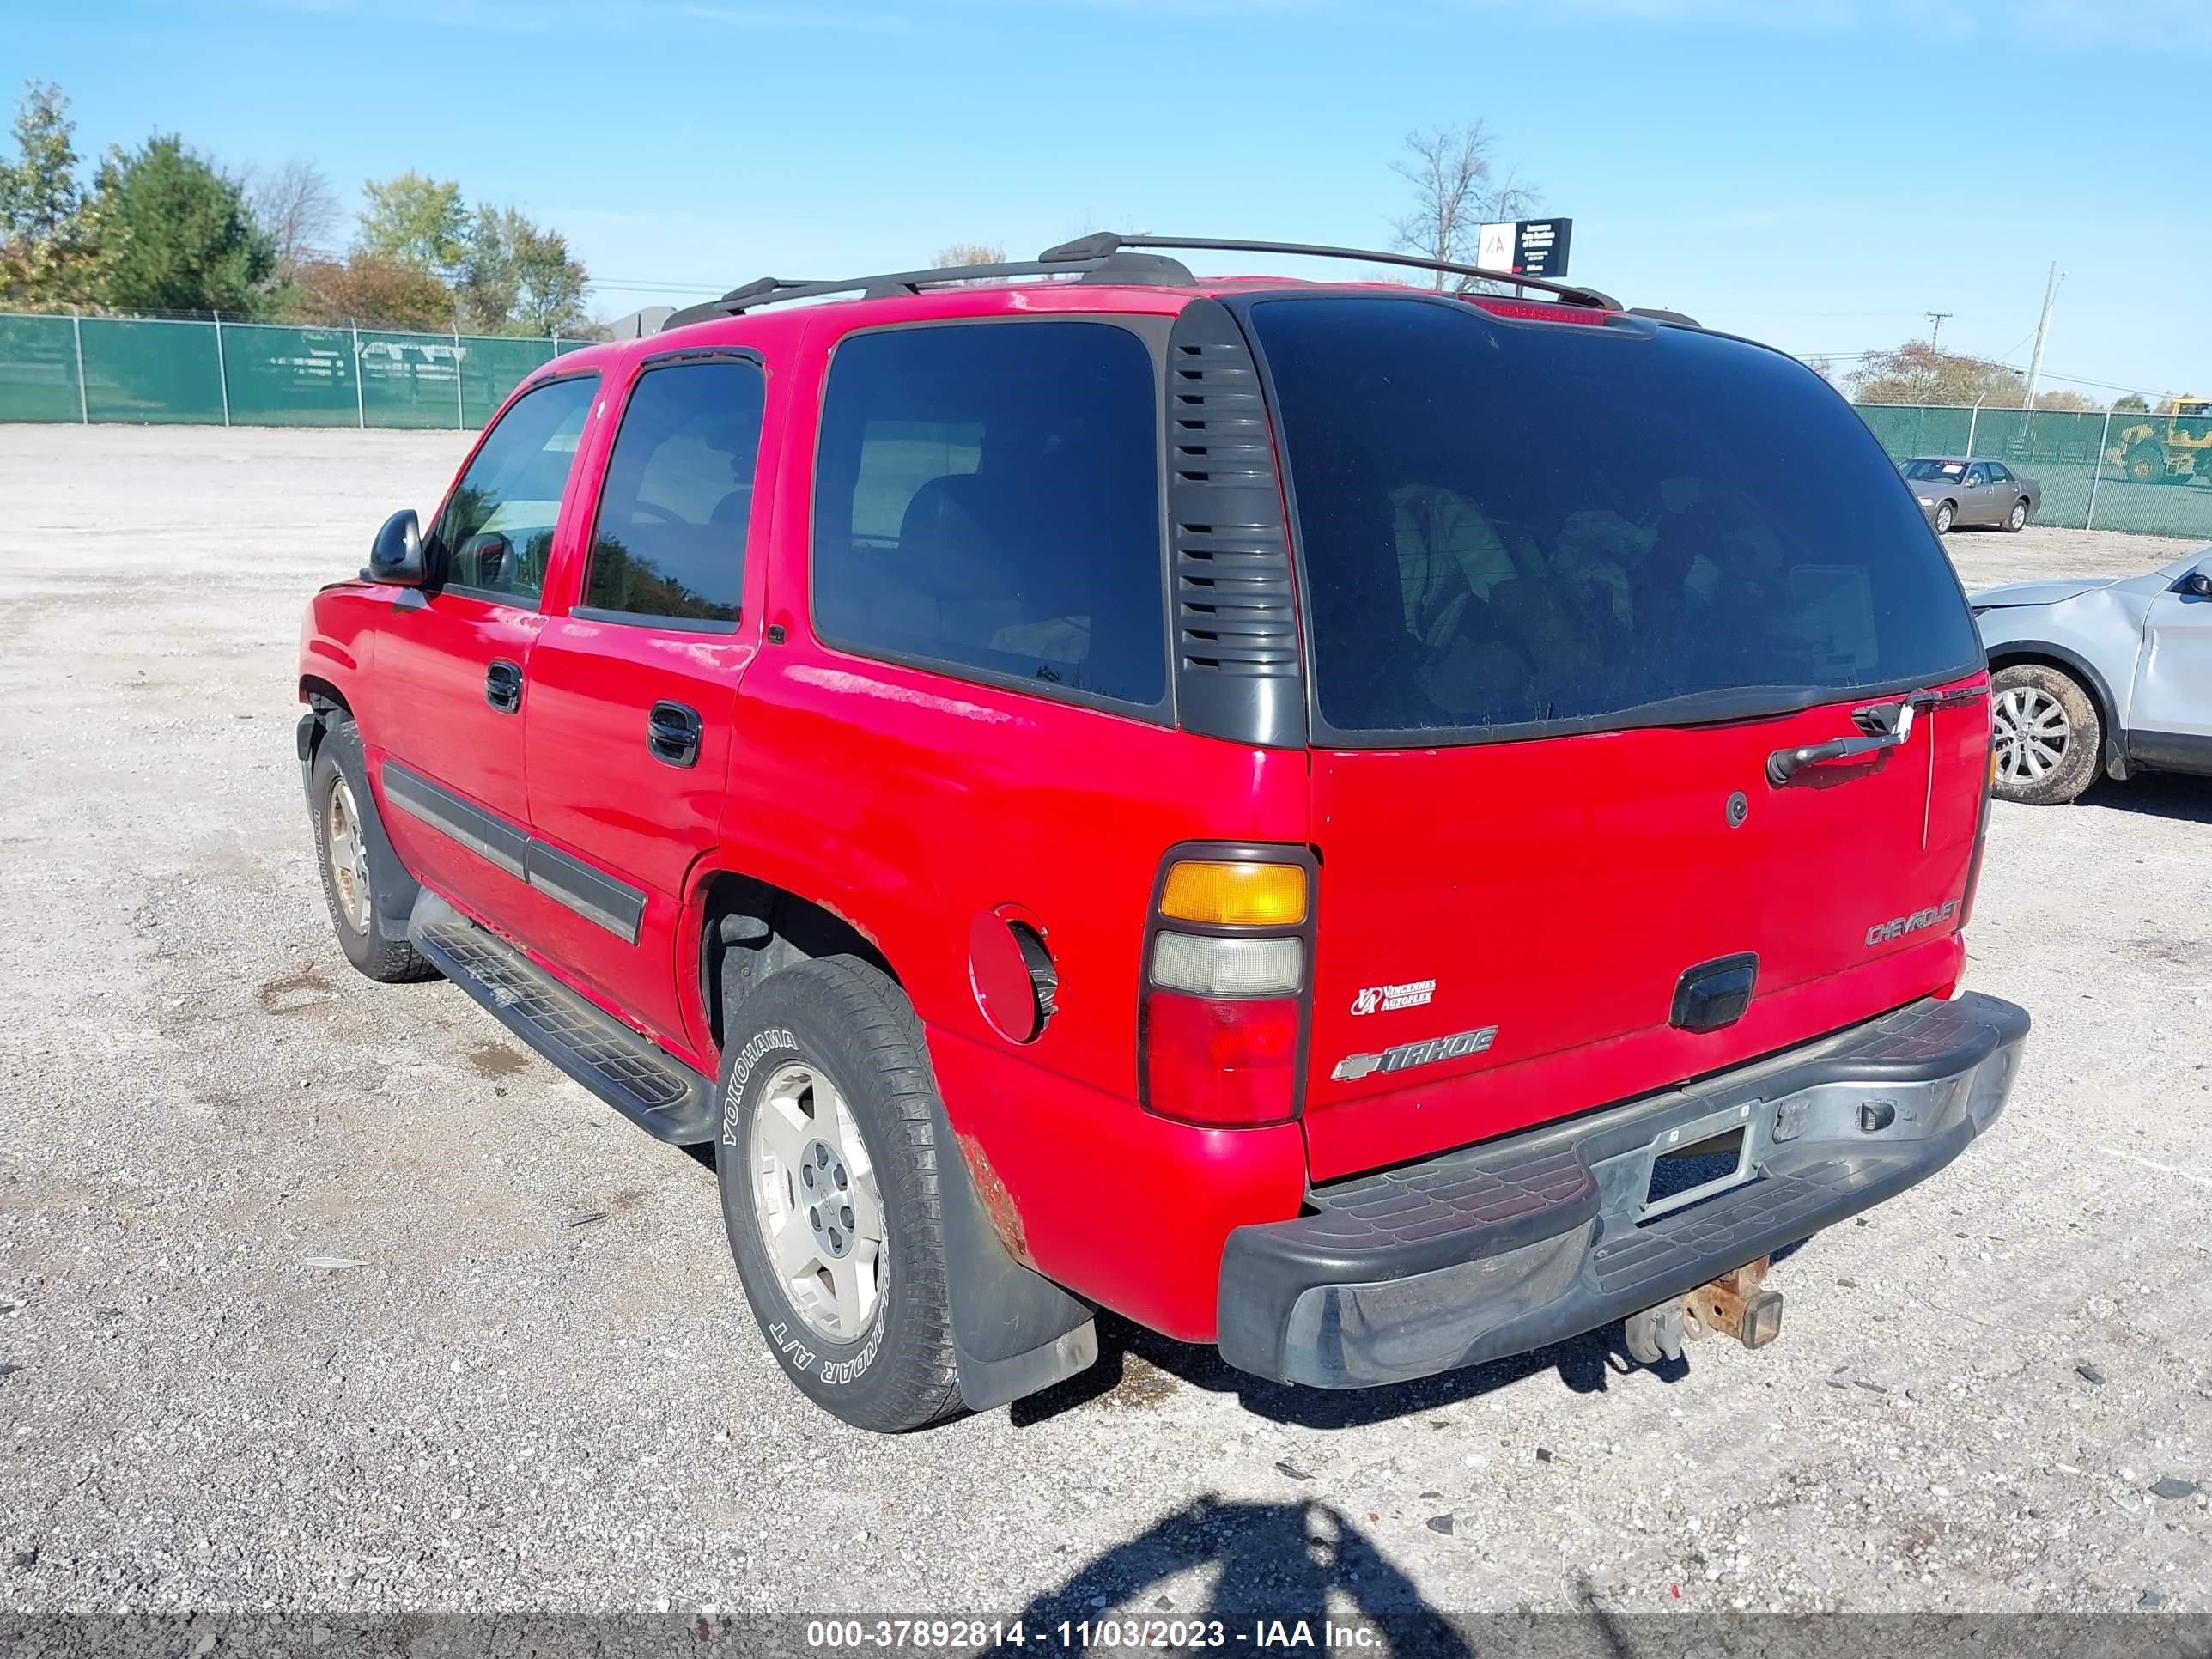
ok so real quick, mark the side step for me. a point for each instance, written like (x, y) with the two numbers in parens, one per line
(656, 1091)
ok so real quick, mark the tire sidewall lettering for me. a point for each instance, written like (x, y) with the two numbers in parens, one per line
(792, 1350)
(839, 1372)
(757, 1047)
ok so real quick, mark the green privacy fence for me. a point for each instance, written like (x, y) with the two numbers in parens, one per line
(2099, 469)
(125, 369)
(2106, 471)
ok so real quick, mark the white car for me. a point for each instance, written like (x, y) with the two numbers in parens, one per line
(2086, 676)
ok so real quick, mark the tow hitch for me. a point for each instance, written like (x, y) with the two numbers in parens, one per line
(1737, 1304)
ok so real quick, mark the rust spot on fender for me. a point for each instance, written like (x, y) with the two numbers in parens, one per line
(997, 1202)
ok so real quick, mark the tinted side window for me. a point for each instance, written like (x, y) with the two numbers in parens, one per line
(496, 530)
(1999, 474)
(670, 539)
(987, 496)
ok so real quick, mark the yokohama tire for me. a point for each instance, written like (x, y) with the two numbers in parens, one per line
(818, 1057)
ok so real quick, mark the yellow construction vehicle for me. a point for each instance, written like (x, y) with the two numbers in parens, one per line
(2172, 447)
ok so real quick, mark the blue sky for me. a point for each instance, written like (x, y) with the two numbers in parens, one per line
(1815, 172)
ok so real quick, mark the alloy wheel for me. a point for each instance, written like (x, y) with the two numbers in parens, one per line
(349, 855)
(2032, 732)
(820, 1212)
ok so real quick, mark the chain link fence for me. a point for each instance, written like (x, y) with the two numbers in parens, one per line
(2099, 469)
(106, 369)
(2103, 470)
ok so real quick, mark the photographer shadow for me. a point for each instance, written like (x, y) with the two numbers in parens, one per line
(1274, 1563)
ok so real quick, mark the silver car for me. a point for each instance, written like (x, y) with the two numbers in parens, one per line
(2091, 675)
(1970, 490)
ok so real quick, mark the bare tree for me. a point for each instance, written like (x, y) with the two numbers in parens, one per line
(295, 205)
(970, 253)
(1457, 191)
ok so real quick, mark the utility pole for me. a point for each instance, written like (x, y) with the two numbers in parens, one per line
(1937, 320)
(2042, 329)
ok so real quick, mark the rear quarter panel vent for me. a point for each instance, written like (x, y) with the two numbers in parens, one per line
(1235, 621)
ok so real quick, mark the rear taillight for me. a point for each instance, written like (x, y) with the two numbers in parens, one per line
(1227, 963)
(1221, 1062)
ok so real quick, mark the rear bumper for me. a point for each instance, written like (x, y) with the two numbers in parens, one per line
(1499, 1249)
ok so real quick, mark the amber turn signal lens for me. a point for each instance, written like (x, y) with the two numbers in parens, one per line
(1235, 895)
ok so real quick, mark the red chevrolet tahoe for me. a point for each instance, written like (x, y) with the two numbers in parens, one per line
(1355, 823)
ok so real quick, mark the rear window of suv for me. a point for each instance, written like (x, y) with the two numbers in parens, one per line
(1508, 530)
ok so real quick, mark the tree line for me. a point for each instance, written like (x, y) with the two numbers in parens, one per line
(163, 229)
(1919, 372)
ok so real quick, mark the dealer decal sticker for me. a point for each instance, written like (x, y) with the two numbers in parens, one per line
(1383, 999)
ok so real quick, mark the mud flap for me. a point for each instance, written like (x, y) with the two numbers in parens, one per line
(1014, 1331)
(392, 889)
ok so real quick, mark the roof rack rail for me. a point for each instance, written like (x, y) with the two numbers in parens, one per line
(1108, 242)
(1104, 266)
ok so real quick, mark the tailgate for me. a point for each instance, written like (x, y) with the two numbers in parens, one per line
(1503, 928)
(1571, 580)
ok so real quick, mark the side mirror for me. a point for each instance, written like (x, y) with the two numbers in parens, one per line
(396, 557)
(2197, 584)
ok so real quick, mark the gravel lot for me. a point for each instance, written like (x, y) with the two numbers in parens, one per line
(539, 1386)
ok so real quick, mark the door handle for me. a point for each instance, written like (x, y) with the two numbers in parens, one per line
(503, 685)
(672, 731)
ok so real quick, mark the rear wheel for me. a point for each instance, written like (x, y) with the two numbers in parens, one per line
(1944, 515)
(2048, 735)
(828, 1165)
(2016, 521)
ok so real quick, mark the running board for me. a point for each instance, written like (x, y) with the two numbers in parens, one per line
(659, 1093)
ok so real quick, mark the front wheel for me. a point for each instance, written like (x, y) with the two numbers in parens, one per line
(1944, 515)
(828, 1166)
(2048, 734)
(2016, 521)
(337, 786)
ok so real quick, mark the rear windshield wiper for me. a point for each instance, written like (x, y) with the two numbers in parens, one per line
(1886, 725)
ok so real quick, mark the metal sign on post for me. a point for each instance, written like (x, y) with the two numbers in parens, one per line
(1526, 247)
